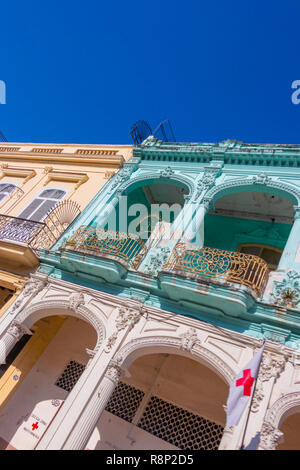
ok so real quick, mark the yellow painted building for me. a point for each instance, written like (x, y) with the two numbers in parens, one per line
(41, 179)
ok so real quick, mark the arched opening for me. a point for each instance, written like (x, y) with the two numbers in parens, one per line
(290, 428)
(145, 204)
(251, 222)
(35, 383)
(165, 401)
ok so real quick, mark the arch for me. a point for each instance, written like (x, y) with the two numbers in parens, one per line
(282, 408)
(154, 178)
(42, 309)
(254, 183)
(163, 344)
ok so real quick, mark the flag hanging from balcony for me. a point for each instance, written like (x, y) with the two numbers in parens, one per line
(241, 389)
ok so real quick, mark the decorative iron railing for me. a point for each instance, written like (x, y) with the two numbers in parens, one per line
(121, 246)
(39, 235)
(29, 232)
(231, 266)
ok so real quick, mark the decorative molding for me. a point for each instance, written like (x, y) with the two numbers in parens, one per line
(286, 292)
(32, 287)
(189, 339)
(78, 178)
(184, 180)
(270, 437)
(166, 172)
(17, 173)
(157, 258)
(207, 180)
(127, 317)
(123, 355)
(76, 299)
(250, 181)
(281, 408)
(35, 311)
(17, 330)
(114, 373)
(271, 366)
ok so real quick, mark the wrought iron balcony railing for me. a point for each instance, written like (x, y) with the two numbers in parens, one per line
(248, 270)
(124, 247)
(34, 234)
(39, 235)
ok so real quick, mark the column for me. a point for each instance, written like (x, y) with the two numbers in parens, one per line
(62, 435)
(181, 223)
(77, 418)
(195, 229)
(104, 212)
(10, 338)
(291, 254)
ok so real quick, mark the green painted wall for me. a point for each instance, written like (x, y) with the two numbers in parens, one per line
(228, 232)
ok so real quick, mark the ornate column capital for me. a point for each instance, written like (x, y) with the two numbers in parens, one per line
(114, 373)
(270, 437)
(17, 330)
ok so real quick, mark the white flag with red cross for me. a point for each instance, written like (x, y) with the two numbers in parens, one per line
(241, 389)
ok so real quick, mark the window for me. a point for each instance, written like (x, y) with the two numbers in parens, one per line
(6, 189)
(41, 205)
(268, 253)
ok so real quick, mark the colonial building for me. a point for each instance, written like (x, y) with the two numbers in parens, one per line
(154, 299)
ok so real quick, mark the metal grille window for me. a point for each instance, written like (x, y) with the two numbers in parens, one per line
(70, 375)
(125, 401)
(180, 427)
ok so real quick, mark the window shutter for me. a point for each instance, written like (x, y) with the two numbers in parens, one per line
(44, 208)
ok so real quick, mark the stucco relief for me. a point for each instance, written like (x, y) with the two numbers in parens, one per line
(127, 318)
(31, 288)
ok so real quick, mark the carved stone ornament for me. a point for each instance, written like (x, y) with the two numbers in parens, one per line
(167, 172)
(17, 330)
(270, 437)
(75, 300)
(32, 287)
(271, 366)
(157, 260)
(189, 339)
(286, 293)
(262, 178)
(120, 178)
(258, 396)
(127, 317)
(114, 373)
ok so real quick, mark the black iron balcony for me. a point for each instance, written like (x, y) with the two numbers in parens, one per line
(21, 239)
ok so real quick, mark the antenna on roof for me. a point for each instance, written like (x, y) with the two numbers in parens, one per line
(2, 137)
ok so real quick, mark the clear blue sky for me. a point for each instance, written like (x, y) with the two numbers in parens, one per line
(85, 71)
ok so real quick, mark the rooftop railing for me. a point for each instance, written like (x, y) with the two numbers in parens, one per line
(231, 266)
(124, 247)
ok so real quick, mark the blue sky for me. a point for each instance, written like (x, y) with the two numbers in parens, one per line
(85, 71)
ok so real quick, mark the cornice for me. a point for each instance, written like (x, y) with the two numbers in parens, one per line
(104, 155)
(230, 152)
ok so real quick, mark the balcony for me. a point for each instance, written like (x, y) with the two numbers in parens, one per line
(124, 249)
(219, 265)
(21, 239)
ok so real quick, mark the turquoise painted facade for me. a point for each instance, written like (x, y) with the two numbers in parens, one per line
(234, 197)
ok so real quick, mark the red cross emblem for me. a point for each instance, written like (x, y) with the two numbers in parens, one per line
(35, 426)
(246, 381)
